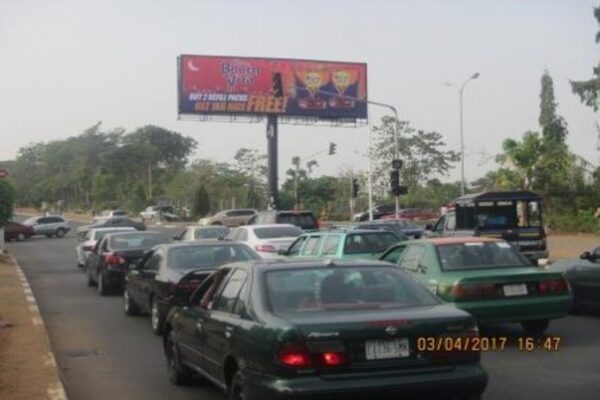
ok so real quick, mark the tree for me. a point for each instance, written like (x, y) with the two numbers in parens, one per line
(524, 157)
(201, 205)
(423, 154)
(7, 201)
(554, 127)
(589, 90)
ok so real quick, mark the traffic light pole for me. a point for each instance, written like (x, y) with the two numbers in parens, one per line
(272, 161)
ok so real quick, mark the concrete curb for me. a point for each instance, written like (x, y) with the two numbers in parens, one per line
(55, 390)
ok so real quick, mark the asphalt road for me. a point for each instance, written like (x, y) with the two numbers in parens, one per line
(102, 354)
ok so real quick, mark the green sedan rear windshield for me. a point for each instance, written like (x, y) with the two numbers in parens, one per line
(369, 242)
(478, 255)
(323, 289)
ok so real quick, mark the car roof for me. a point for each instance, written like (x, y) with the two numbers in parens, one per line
(135, 232)
(350, 230)
(268, 226)
(286, 263)
(203, 242)
(458, 240)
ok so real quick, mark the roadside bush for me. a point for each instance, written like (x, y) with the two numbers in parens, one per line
(7, 201)
(581, 221)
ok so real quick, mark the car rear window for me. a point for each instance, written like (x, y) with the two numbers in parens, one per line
(272, 232)
(303, 220)
(192, 257)
(340, 288)
(137, 241)
(210, 232)
(369, 242)
(479, 255)
(99, 234)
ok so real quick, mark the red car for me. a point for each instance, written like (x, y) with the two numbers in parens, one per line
(16, 231)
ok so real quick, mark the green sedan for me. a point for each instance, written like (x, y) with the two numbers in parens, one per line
(298, 329)
(342, 243)
(486, 277)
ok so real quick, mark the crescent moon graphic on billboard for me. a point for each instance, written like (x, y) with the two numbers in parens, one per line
(192, 67)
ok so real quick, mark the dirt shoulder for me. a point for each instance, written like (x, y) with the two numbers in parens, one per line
(571, 245)
(68, 215)
(27, 368)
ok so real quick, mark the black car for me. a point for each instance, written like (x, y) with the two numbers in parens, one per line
(116, 222)
(277, 329)
(584, 277)
(169, 273)
(303, 219)
(402, 228)
(378, 212)
(110, 259)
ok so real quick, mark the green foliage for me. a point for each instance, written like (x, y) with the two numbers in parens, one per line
(201, 205)
(579, 221)
(423, 153)
(7, 201)
(589, 90)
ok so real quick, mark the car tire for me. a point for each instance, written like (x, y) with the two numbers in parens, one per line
(60, 232)
(129, 305)
(178, 374)
(237, 389)
(102, 285)
(157, 319)
(90, 281)
(535, 327)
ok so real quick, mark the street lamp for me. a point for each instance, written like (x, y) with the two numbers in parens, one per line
(461, 88)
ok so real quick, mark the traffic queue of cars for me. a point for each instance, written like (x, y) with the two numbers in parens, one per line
(273, 311)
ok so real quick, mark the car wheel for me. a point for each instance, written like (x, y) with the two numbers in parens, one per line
(238, 390)
(535, 327)
(156, 318)
(60, 232)
(128, 304)
(178, 374)
(21, 237)
(102, 286)
(90, 282)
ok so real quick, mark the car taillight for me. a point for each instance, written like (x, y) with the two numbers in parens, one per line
(267, 248)
(553, 286)
(114, 259)
(332, 359)
(295, 355)
(473, 291)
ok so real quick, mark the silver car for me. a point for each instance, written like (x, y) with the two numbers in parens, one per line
(49, 225)
(88, 242)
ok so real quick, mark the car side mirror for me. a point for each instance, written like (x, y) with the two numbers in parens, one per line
(176, 238)
(543, 263)
(88, 248)
(282, 252)
(428, 227)
(586, 255)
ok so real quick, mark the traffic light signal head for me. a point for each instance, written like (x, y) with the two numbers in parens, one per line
(395, 186)
(332, 147)
(277, 85)
(355, 187)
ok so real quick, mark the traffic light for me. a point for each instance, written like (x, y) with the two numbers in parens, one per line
(277, 85)
(355, 187)
(332, 147)
(396, 188)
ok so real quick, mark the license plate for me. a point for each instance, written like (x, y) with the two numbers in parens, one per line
(515, 290)
(384, 349)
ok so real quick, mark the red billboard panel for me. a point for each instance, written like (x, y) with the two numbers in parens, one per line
(258, 86)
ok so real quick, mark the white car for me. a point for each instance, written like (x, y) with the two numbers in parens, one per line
(192, 233)
(266, 240)
(87, 242)
(49, 226)
(106, 214)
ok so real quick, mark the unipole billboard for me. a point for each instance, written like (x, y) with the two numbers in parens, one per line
(328, 90)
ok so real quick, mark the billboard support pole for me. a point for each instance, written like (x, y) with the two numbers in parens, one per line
(272, 160)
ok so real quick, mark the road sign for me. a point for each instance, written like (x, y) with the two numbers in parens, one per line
(3, 173)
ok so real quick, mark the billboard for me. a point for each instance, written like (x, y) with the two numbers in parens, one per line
(257, 86)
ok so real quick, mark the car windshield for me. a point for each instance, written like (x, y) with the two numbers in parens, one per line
(349, 289)
(207, 256)
(212, 232)
(137, 241)
(479, 255)
(273, 232)
(369, 242)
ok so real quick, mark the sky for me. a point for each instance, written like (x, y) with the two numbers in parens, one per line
(67, 64)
